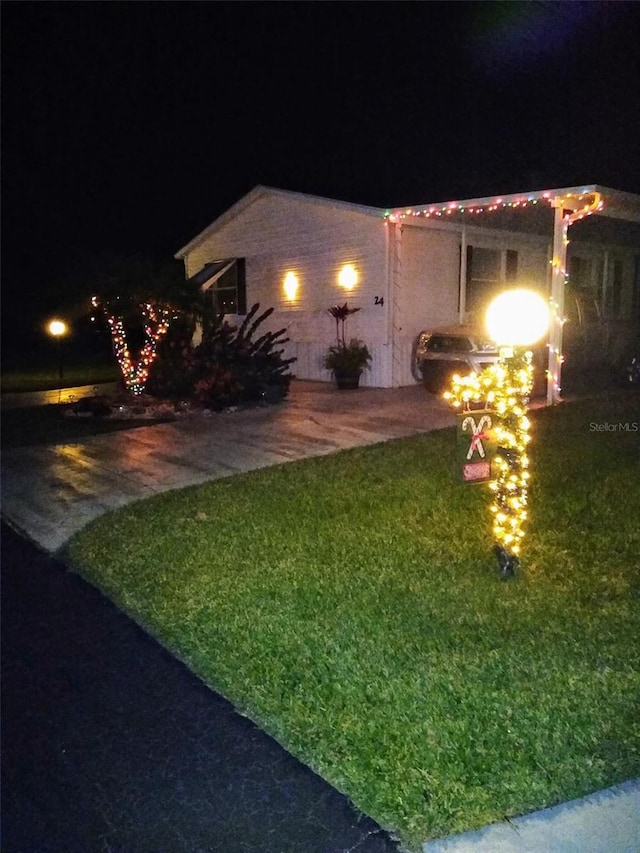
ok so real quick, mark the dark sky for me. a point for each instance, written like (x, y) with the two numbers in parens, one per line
(133, 125)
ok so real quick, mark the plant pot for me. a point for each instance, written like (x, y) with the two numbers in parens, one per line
(347, 380)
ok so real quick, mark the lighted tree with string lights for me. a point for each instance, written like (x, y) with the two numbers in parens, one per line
(139, 293)
(135, 371)
(516, 319)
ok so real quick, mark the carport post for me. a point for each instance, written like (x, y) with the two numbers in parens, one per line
(559, 264)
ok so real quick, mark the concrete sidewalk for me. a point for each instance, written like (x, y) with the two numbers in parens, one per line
(605, 822)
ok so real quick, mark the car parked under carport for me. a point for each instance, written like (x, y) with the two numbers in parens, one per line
(443, 352)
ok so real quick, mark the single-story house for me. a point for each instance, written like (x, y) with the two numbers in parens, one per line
(415, 268)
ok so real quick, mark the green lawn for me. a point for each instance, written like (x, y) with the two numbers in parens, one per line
(351, 606)
(38, 377)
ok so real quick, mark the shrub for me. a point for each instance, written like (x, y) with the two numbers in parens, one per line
(230, 366)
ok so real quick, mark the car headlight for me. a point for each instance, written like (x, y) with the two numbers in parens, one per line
(421, 347)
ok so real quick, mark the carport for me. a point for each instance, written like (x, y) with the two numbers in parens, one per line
(544, 212)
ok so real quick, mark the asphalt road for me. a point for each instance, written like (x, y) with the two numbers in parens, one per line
(110, 745)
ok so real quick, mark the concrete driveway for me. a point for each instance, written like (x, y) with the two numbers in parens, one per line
(49, 493)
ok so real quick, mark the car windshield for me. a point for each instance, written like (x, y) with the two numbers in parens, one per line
(449, 343)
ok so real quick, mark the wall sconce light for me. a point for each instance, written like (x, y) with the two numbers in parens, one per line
(290, 286)
(348, 277)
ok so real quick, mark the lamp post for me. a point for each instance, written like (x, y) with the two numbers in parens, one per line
(515, 320)
(58, 329)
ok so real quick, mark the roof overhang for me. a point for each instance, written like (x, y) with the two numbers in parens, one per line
(612, 203)
(211, 272)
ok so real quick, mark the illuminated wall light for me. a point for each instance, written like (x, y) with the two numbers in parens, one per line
(348, 277)
(290, 286)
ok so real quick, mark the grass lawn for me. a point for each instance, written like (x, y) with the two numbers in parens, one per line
(351, 606)
(45, 378)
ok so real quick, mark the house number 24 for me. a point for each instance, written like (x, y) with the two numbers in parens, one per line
(378, 300)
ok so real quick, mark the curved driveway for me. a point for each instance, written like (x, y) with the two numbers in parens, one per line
(49, 493)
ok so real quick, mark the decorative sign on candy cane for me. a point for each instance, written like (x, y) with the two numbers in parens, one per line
(476, 445)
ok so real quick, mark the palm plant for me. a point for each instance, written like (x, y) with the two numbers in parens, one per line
(346, 360)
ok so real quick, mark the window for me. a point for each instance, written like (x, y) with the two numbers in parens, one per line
(488, 272)
(225, 281)
(580, 277)
(511, 267)
(229, 293)
(614, 291)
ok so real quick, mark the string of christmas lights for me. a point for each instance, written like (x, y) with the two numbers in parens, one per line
(505, 387)
(136, 373)
(580, 205)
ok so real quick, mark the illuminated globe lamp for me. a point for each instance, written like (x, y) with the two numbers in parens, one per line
(515, 320)
(58, 329)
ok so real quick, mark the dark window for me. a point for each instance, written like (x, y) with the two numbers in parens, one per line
(580, 273)
(229, 291)
(614, 291)
(511, 266)
(483, 276)
(590, 312)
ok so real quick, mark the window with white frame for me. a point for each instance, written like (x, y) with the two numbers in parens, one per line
(581, 273)
(229, 292)
(488, 271)
(225, 283)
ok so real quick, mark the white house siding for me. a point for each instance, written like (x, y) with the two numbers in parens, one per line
(533, 256)
(426, 290)
(427, 279)
(409, 272)
(278, 233)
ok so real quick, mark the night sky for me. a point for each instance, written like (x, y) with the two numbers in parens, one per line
(131, 126)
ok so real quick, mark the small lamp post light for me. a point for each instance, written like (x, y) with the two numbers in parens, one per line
(58, 329)
(516, 319)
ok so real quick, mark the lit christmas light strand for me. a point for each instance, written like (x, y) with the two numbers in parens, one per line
(580, 205)
(136, 373)
(504, 387)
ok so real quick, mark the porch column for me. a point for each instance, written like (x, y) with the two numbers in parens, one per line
(462, 293)
(561, 223)
(394, 309)
(556, 318)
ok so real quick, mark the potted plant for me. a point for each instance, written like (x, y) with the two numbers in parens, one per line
(346, 360)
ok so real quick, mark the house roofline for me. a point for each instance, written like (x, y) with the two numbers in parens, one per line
(262, 190)
(616, 203)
